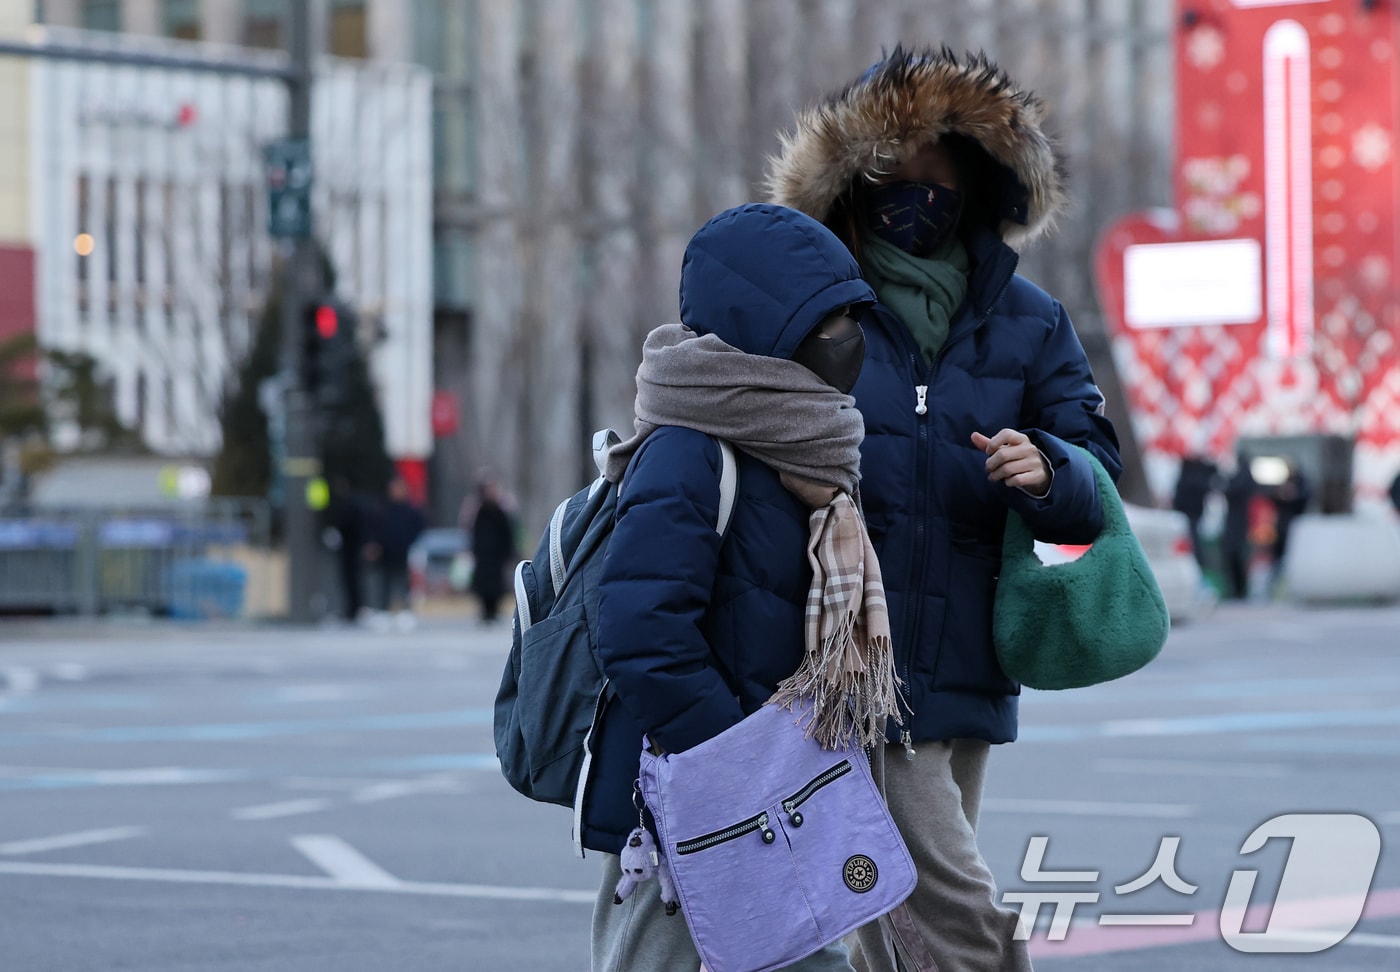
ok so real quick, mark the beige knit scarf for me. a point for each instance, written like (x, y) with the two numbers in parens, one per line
(785, 416)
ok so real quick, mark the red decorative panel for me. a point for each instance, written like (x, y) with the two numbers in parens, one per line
(1287, 122)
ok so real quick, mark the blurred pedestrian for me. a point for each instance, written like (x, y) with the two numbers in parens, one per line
(1290, 498)
(349, 518)
(397, 526)
(490, 530)
(696, 630)
(1235, 547)
(975, 393)
(1198, 477)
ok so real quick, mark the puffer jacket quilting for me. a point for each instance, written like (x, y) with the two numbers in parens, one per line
(695, 633)
(935, 519)
(1011, 360)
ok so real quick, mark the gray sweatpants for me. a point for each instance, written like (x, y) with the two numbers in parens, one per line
(951, 923)
(638, 935)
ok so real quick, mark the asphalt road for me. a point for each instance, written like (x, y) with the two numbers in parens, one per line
(179, 798)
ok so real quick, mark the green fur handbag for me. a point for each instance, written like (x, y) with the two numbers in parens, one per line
(1088, 621)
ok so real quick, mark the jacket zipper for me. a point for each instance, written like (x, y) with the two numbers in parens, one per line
(791, 804)
(758, 822)
(923, 498)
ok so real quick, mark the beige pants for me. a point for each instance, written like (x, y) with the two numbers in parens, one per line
(951, 923)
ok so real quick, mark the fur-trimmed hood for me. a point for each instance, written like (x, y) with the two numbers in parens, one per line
(908, 100)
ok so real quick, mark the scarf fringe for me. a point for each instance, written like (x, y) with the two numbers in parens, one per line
(849, 708)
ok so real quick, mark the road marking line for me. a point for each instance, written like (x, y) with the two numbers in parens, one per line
(20, 681)
(1216, 724)
(81, 838)
(1106, 939)
(393, 789)
(1356, 938)
(318, 693)
(234, 731)
(338, 784)
(1189, 768)
(297, 881)
(1089, 808)
(344, 863)
(287, 808)
(148, 776)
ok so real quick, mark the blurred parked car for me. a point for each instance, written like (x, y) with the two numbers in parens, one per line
(1165, 536)
(439, 563)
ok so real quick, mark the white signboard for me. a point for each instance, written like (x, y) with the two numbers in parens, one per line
(1200, 282)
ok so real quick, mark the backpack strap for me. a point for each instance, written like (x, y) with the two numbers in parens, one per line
(728, 485)
(558, 570)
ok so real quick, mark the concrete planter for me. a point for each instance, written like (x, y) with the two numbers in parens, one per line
(1343, 558)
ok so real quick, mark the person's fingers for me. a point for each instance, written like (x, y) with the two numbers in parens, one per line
(1003, 438)
(1009, 437)
(1033, 480)
(1024, 465)
(1011, 453)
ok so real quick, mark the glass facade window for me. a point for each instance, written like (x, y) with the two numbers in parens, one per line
(262, 23)
(102, 14)
(347, 29)
(181, 19)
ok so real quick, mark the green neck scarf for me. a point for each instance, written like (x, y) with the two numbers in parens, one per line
(924, 292)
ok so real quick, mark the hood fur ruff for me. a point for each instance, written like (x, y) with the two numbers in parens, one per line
(910, 99)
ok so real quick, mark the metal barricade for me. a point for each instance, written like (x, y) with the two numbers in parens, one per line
(42, 564)
(195, 562)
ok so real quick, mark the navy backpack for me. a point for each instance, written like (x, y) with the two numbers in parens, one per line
(553, 690)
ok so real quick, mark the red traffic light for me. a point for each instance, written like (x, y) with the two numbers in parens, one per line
(327, 321)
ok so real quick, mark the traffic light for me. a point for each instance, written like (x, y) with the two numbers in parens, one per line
(327, 341)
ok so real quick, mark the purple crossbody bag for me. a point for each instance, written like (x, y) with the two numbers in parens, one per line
(777, 846)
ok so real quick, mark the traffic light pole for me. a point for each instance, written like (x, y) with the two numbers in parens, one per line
(302, 462)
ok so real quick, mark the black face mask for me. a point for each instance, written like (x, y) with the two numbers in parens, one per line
(915, 216)
(834, 351)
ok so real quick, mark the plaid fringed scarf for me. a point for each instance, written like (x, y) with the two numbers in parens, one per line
(810, 434)
(848, 671)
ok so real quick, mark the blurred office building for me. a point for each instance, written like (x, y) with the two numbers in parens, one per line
(134, 201)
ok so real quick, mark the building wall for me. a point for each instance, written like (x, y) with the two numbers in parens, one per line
(16, 249)
(14, 133)
(163, 170)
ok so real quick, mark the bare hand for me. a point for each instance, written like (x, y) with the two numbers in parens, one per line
(1014, 460)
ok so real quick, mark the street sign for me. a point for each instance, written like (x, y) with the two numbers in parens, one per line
(288, 164)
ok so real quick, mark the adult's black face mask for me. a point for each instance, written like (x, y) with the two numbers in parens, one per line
(834, 351)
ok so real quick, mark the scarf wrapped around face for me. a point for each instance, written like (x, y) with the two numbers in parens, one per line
(810, 434)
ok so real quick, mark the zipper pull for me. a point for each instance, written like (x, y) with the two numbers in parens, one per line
(794, 815)
(907, 739)
(768, 835)
(921, 408)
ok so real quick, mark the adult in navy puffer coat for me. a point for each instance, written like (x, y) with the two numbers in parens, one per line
(696, 631)
(974, 389)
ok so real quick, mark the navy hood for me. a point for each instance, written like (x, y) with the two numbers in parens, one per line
(760, 277)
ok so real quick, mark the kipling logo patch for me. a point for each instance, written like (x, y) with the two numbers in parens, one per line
(860, 874)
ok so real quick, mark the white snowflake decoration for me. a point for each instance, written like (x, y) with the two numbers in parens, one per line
(1206, 48)
(1370, 147)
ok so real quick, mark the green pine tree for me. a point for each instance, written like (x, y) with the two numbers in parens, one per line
(21, 410)
(350, 429)
(351, 426)
(243, 466)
